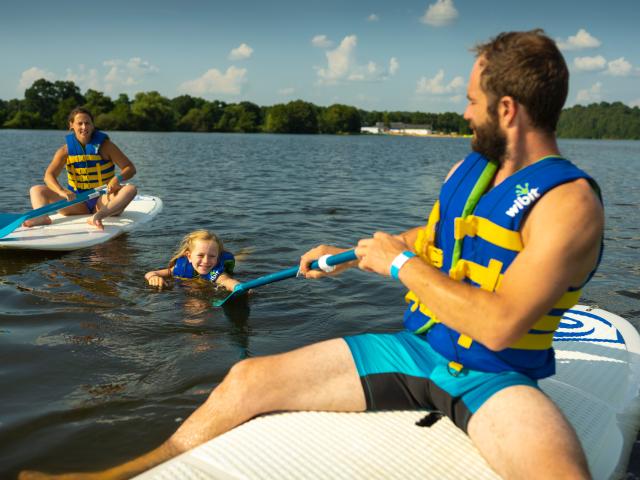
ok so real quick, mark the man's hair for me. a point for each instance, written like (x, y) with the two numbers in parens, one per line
(528, 67)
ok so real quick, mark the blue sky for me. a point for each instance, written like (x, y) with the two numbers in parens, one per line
(376, 55)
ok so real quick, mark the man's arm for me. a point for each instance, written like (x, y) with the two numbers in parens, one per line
(561, 240)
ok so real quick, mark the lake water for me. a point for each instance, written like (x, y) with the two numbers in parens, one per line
(96, 367)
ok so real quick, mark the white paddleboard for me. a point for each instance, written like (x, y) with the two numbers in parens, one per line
(596, 386)
(73, 232)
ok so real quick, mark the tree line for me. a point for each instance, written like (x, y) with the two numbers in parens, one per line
(47, 104)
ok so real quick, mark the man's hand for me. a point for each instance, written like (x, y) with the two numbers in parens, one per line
(377, 253)
(314, 254)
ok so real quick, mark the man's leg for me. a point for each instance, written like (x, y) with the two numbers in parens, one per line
(112, 204)
(322, 376)
(522, 434)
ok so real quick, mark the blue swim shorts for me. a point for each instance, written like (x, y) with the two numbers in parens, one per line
(400, 371)
(91, 204)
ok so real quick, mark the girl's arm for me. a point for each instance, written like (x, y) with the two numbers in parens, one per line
(227, 282)
(156, 278)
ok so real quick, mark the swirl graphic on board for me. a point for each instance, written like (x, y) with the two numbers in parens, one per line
(577, 325)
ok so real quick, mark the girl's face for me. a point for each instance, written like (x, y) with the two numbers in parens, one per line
(203, 256)
(82, 126)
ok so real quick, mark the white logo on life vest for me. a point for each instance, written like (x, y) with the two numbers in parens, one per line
(525, 198)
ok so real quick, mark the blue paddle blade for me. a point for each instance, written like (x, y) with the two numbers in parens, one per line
(9, 222)
(283, 274)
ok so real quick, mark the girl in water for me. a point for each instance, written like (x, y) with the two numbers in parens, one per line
(200, 255)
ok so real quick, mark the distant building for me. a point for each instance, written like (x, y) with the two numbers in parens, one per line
(399, 128)
(377, 129)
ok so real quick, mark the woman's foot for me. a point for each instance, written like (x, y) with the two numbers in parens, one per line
(96, 220)
(34, 222)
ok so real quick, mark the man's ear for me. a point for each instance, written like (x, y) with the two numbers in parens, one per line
(507, 111)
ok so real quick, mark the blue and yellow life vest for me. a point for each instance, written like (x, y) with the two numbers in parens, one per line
(473, 235)
(86, 169)
(184, 269)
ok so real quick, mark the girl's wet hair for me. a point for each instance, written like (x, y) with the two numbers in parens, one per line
(186, 245)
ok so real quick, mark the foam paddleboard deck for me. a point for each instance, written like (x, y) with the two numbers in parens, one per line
(73, 232)
(596, 386)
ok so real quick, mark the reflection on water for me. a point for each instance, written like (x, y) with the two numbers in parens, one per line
(96, 366)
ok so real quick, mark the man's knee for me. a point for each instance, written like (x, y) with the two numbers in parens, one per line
(244, 376)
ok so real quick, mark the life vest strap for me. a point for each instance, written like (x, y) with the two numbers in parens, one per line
(487, 277)
(471, 225)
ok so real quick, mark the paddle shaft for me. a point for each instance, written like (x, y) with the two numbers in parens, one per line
(293, 271)
(288, 273)
(60, 204)
(10, 221)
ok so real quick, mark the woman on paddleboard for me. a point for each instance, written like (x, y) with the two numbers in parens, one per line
(200, 255)
(90, 158)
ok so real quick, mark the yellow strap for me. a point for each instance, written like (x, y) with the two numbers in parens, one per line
(488, 277)
(471, 226)
(568, 300)
(465, 341)
(82, 158)
(455, 366)
(434, 218)
(534, 341)
(547, 323)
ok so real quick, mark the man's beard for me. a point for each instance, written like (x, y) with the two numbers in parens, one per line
(489, 141)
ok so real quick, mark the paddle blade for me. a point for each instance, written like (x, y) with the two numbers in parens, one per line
(9, 222)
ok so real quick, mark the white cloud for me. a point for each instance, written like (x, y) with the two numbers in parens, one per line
(31, 75)
(84, 78)
(321, 41)
(440, 14)
(436, 86)
(373, 18)
(591, 94)
(242, 52)
(342, 65)
(579, 41)
(125, 74)
(213, 81)
(286, 91)
(339, 61)
(589, 64)
(393, 66)
(619, 68)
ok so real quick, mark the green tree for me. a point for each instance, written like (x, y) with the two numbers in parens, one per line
(60, 119)
(339, 119)
(154, 111)
(185, 103)
(303, 117)
(97, 102)
(241, 117)
(24, 119)
(41, 98)
(277, 119)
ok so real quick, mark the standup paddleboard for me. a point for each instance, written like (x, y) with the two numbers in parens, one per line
(73, 232)
(596, 386)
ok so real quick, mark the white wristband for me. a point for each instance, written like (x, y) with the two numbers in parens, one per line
(322, 264)
(399, 262)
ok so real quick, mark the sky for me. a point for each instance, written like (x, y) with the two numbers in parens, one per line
(403, 55)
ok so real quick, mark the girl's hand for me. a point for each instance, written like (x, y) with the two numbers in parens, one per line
(156, 281)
